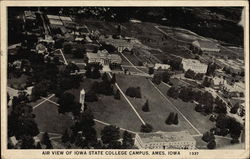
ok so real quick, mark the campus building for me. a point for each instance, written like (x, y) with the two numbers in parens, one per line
(104, 58)
(234, 66)
(204, 46)
(165, 140)
(194, 65)
(120, 44)
(159, 66)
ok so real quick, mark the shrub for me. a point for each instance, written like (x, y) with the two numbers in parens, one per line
(146, 128)
(145, 107)
(211, 144)
(133, 92)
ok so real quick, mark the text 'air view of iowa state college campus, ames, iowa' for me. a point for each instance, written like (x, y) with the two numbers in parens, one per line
(125, 78)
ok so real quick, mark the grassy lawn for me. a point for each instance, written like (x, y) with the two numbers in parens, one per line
(17, 83)
(115, 112)
(48, 119)
(201, 122)
(220, 142)
(131, 58)
(109, 110)
(159, 107)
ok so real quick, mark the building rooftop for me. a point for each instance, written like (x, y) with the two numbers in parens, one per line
(55, 22)
(161, 66)
(205, 45)
(30, 15)
(166, 136)
(192, 62)
(64, 18)
(235, 64)
(53, 17)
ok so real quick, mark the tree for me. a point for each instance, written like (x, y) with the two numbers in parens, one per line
(105, 77)
(88, 72)
(66, 101)
(150, 70)
(67, 48)
(65, 137)
(170, 118)
(176, 121)
(235, 108)
(38, 145)
(27, 142)
(207, 82)
(198, 108)
(133, 92)
(79, 51)
(127, 140)
(117, 95)
(110, 133)
(145, 107)
(173, 92)
(91, 96)
(113, 79)
(235, 141)
(211, 69)
(114, 145)
(96, 73)
(208, 136)
(199, 76)
(40, 89)
(166, 76)
(46, 141)
(211, 144)
(147, 128)
(157, 79)
(190, 74)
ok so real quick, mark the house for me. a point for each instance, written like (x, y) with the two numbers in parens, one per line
(29, 15)
(233, 66)
(165, 140)
(234, 90)
(104, 58)
(119, 44)
(40, 48)
(13, 141)
(194, 65)
(204, 46)
(161, 66)
(218, 82)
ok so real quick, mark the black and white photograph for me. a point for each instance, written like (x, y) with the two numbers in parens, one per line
(126, 77)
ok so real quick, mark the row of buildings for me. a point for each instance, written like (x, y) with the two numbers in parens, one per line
(165, 140)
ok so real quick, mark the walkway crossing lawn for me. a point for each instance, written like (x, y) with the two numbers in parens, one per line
(159, 107)
(110, 110)
(48, 119)
(201, 122)
(115, 112)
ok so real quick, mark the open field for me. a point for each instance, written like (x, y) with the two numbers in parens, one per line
(159, 107)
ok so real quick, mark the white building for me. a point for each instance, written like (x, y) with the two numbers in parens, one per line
(194, 65)
(204, 46)
(82, 99)
(104, 58)
(165, 140)
(161, 66)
